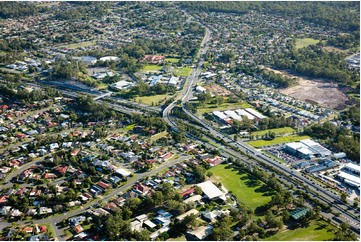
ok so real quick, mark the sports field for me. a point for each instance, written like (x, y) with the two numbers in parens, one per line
(79, 45)
(278, 140)
(244, 187)
(300, 43)
(318, 230)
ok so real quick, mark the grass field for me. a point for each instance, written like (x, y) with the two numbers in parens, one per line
(223, 107)
(79, 45)
(152, 68)
(185, 71)
(152, 100)
(247, 190)
(318, 230)
(172, 60)
(300, 43)
(285, 130)
(277, 140)
(159, 135)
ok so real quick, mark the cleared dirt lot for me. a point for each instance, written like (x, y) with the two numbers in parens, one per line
(325, 94)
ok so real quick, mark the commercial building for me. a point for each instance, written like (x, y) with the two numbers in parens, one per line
(122, 85)
(211, 191)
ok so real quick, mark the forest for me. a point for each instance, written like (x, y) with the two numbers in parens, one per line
(313, 61)
(344, 16)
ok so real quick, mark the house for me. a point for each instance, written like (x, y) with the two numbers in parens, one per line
(76, 220)
(5, 210)
(142, 189)
(190, 212)
(45, 210)
(27, 229)
(188, 192)
(200, 233)
(136, 225)
(40, 237)
(78, 229)
(103, 185)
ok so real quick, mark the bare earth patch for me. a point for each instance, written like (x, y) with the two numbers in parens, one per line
(324, 94)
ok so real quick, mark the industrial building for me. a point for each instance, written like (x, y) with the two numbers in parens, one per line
(229, 115)
(307, 149)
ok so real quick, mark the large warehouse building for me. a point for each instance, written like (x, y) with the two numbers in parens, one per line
(307, 149)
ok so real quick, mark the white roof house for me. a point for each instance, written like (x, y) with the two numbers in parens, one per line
(210, 190)
(123, 172)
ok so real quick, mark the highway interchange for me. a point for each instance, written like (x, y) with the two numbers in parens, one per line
(239, 150)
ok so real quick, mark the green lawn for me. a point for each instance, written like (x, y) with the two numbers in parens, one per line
(318, 230)
(208, 108)
(172, 60)
(278, 140)
(185, 71)
(285, 130)
(152, 100)
(159, 135)
(300, 43)
(247, 190)
(151, 67)
(79, 45)
(129, 127)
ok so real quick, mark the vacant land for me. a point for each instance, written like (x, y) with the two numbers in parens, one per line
(244, 187)
(285, 130)
(326, 94)
(185, 71)
(300, 43)
(317, 231)
(152, 68)
(334, 49)
(152, 100)
(159, 135)
(79, 45)
(223, 107)
(277, 140)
